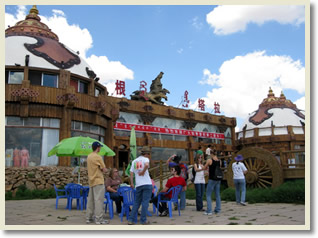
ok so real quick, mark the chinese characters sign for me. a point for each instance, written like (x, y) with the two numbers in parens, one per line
(201, 104)
(216, 107)
(160, 130)
(185, 99)
(120, 87)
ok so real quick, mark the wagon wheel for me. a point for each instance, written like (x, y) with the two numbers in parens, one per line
(263, 169)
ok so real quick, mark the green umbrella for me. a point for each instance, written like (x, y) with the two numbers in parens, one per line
(133, 149)
(78, 146)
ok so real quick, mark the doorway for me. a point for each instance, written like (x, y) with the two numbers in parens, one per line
(122, 158)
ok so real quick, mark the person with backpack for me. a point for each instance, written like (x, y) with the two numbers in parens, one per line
(214, 183)
(173, 161)
(199, 181)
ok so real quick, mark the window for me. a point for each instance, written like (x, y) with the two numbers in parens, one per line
(158, 153)
(82, 87)
(97, 92)
(43, 79)
(14, 77)
(49, 80)
(29, 133)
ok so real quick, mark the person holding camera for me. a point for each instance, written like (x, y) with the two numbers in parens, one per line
(173, 161)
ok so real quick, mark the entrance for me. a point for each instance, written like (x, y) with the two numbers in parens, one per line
(123, 158)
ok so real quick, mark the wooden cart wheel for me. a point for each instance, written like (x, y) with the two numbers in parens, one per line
(263, 169)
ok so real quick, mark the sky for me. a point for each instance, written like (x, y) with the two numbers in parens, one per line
(229, 54)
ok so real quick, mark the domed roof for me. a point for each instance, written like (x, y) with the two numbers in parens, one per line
(34, 38)
(274, 111)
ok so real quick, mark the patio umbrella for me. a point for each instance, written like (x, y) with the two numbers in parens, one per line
(78, 146)
(133, 149)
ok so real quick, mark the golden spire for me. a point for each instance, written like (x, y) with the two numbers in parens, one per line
(34, 10)
(270, 93)
(282, 96)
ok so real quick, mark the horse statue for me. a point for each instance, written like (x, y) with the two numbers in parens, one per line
(156, 93)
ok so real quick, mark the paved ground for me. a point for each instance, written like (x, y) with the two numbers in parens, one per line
(43, 212)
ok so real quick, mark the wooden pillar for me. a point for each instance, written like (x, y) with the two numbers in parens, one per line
(110, 142)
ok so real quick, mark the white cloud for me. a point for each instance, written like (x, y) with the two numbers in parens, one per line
(20, 14)
(229, 19)
(180, 51)
(243, 82)
(301, 104)
(195, 22)
(108, 71)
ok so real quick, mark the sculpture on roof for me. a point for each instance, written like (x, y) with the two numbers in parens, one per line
(156, 93)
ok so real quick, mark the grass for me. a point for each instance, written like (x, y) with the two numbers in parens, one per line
(288, 192)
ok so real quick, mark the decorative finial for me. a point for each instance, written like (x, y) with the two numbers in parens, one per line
(282, 96)
(34, 10)
(270, 92)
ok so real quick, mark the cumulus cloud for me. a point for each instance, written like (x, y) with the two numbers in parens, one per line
(108, 71)
(195, 22)
(230, 19)
(243, 82)
(301, 103)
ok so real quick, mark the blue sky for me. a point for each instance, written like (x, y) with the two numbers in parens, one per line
(225, 54)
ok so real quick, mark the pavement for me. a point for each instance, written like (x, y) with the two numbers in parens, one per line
(43, 212)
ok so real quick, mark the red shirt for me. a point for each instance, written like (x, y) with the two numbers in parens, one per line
(175, 181)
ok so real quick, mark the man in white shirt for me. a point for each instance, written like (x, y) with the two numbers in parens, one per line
(208, 151)
(139, 168)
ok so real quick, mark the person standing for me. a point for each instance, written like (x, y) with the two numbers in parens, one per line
(213, 185)
(112, 184)
(199, 182)
(95, 201)
(173, 161)
(239, 171)
(208, 152)
(139, 168)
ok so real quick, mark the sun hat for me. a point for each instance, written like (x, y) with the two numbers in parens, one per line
(239, 158)
(145, 149)
(97, 144)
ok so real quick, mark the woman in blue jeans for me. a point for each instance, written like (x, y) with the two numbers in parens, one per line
(199, 182)
(239, 171)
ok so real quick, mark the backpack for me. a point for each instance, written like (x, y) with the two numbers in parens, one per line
(193, 175)
(218, 173)
(184, 171)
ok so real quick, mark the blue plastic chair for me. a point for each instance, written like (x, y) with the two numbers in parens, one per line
(128, 195)
(75, 192)
(174, 199)
(85, 195)
(65, 195)
(109, 203)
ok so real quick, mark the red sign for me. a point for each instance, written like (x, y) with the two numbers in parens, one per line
(120, 87)
(201, 104)
(160, 130)
(185, 99)
(142, 88)
(216, 107)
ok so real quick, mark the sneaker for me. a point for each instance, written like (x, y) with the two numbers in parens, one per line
(243, 203)
(130, 223)
(146, 223)
(102, 222)
(164, 213)
(175, 207)
(207, 213)
(88, 221)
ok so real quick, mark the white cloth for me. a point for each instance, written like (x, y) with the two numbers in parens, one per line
(238, 170)
(199, 176)
(137, 166)
(208, 151)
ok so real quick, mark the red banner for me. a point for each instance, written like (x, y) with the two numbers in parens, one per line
(160, 130)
